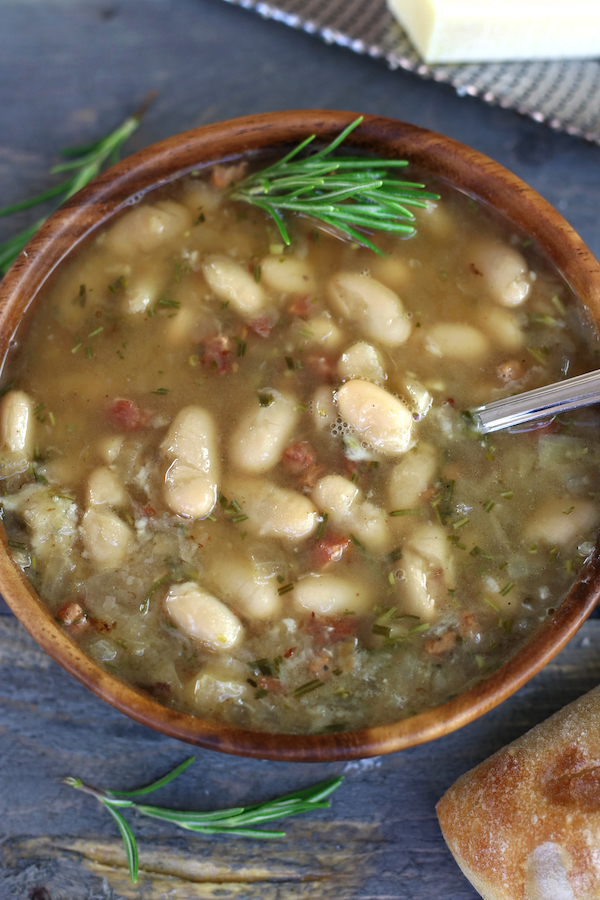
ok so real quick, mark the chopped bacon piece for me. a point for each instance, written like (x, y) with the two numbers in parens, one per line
(298, 457)
(320, 665)
(330, 548)
(127, 415)
(440, 645)
(511, 370)
(72, 615)
(161, 690)
(222, 176)
(299, 307)
(262, 326)
(350, 468)
(323, 366)
(467, 627)
(216, 352)
(332, 629)
(273, 685)
(310, 476)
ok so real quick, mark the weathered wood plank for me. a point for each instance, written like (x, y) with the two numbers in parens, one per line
(380, 839)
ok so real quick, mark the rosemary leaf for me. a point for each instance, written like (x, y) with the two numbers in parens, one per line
(340, 191)
(235, 821)
(128, 839)
(166, 779)
(85, 163)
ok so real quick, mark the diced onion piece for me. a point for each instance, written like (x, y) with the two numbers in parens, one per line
(203, 617)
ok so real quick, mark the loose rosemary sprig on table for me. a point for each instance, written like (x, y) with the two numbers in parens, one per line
(85, 163)
(238, 820)
(344, 192)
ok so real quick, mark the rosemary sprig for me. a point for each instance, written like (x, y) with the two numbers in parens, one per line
(238, 820)
(344, 192)
(85, 163)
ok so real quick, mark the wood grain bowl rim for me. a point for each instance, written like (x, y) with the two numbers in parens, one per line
(157, 165)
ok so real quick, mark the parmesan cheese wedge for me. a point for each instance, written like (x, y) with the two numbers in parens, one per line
(452, 31)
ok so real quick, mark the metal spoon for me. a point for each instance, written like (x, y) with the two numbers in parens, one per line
(549, 400)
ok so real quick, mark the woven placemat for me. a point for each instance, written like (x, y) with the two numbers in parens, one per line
(563, 94)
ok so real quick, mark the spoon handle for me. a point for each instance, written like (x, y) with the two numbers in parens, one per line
(549, 400)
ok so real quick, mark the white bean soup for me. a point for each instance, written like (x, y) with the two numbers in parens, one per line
(241, 477)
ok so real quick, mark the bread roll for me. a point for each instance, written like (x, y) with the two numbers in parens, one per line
(525, 824)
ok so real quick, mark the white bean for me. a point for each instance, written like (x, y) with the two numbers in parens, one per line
(248, 586)
(427, 570)
(273, 511)
(347, 510)
(379, 418)
(231, 281)
(16, 423)
(393, 271)
(372, 305)
(288, 274)
(201, 196)
(412, 476)
(559, 521)
(110, 447)
(320, 330)
(503, 327)
(104, 487)
(416, 394)
(106, 538)
(203, 617)
(323, 408)
(436, 219)
(191, 479)
(504, 271)
(336, 496)
(260, 437)
(145, 288)
(331, 595)
(455, 340)
(362, 360)
(145, 228)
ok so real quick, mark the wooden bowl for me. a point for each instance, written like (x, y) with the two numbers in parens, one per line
(161, 163)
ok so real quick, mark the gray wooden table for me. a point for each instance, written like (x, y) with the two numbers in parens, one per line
(70, 70)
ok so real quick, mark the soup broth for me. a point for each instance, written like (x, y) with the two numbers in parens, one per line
(241, 475)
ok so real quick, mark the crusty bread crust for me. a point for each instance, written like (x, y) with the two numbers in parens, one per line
(525, 824)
